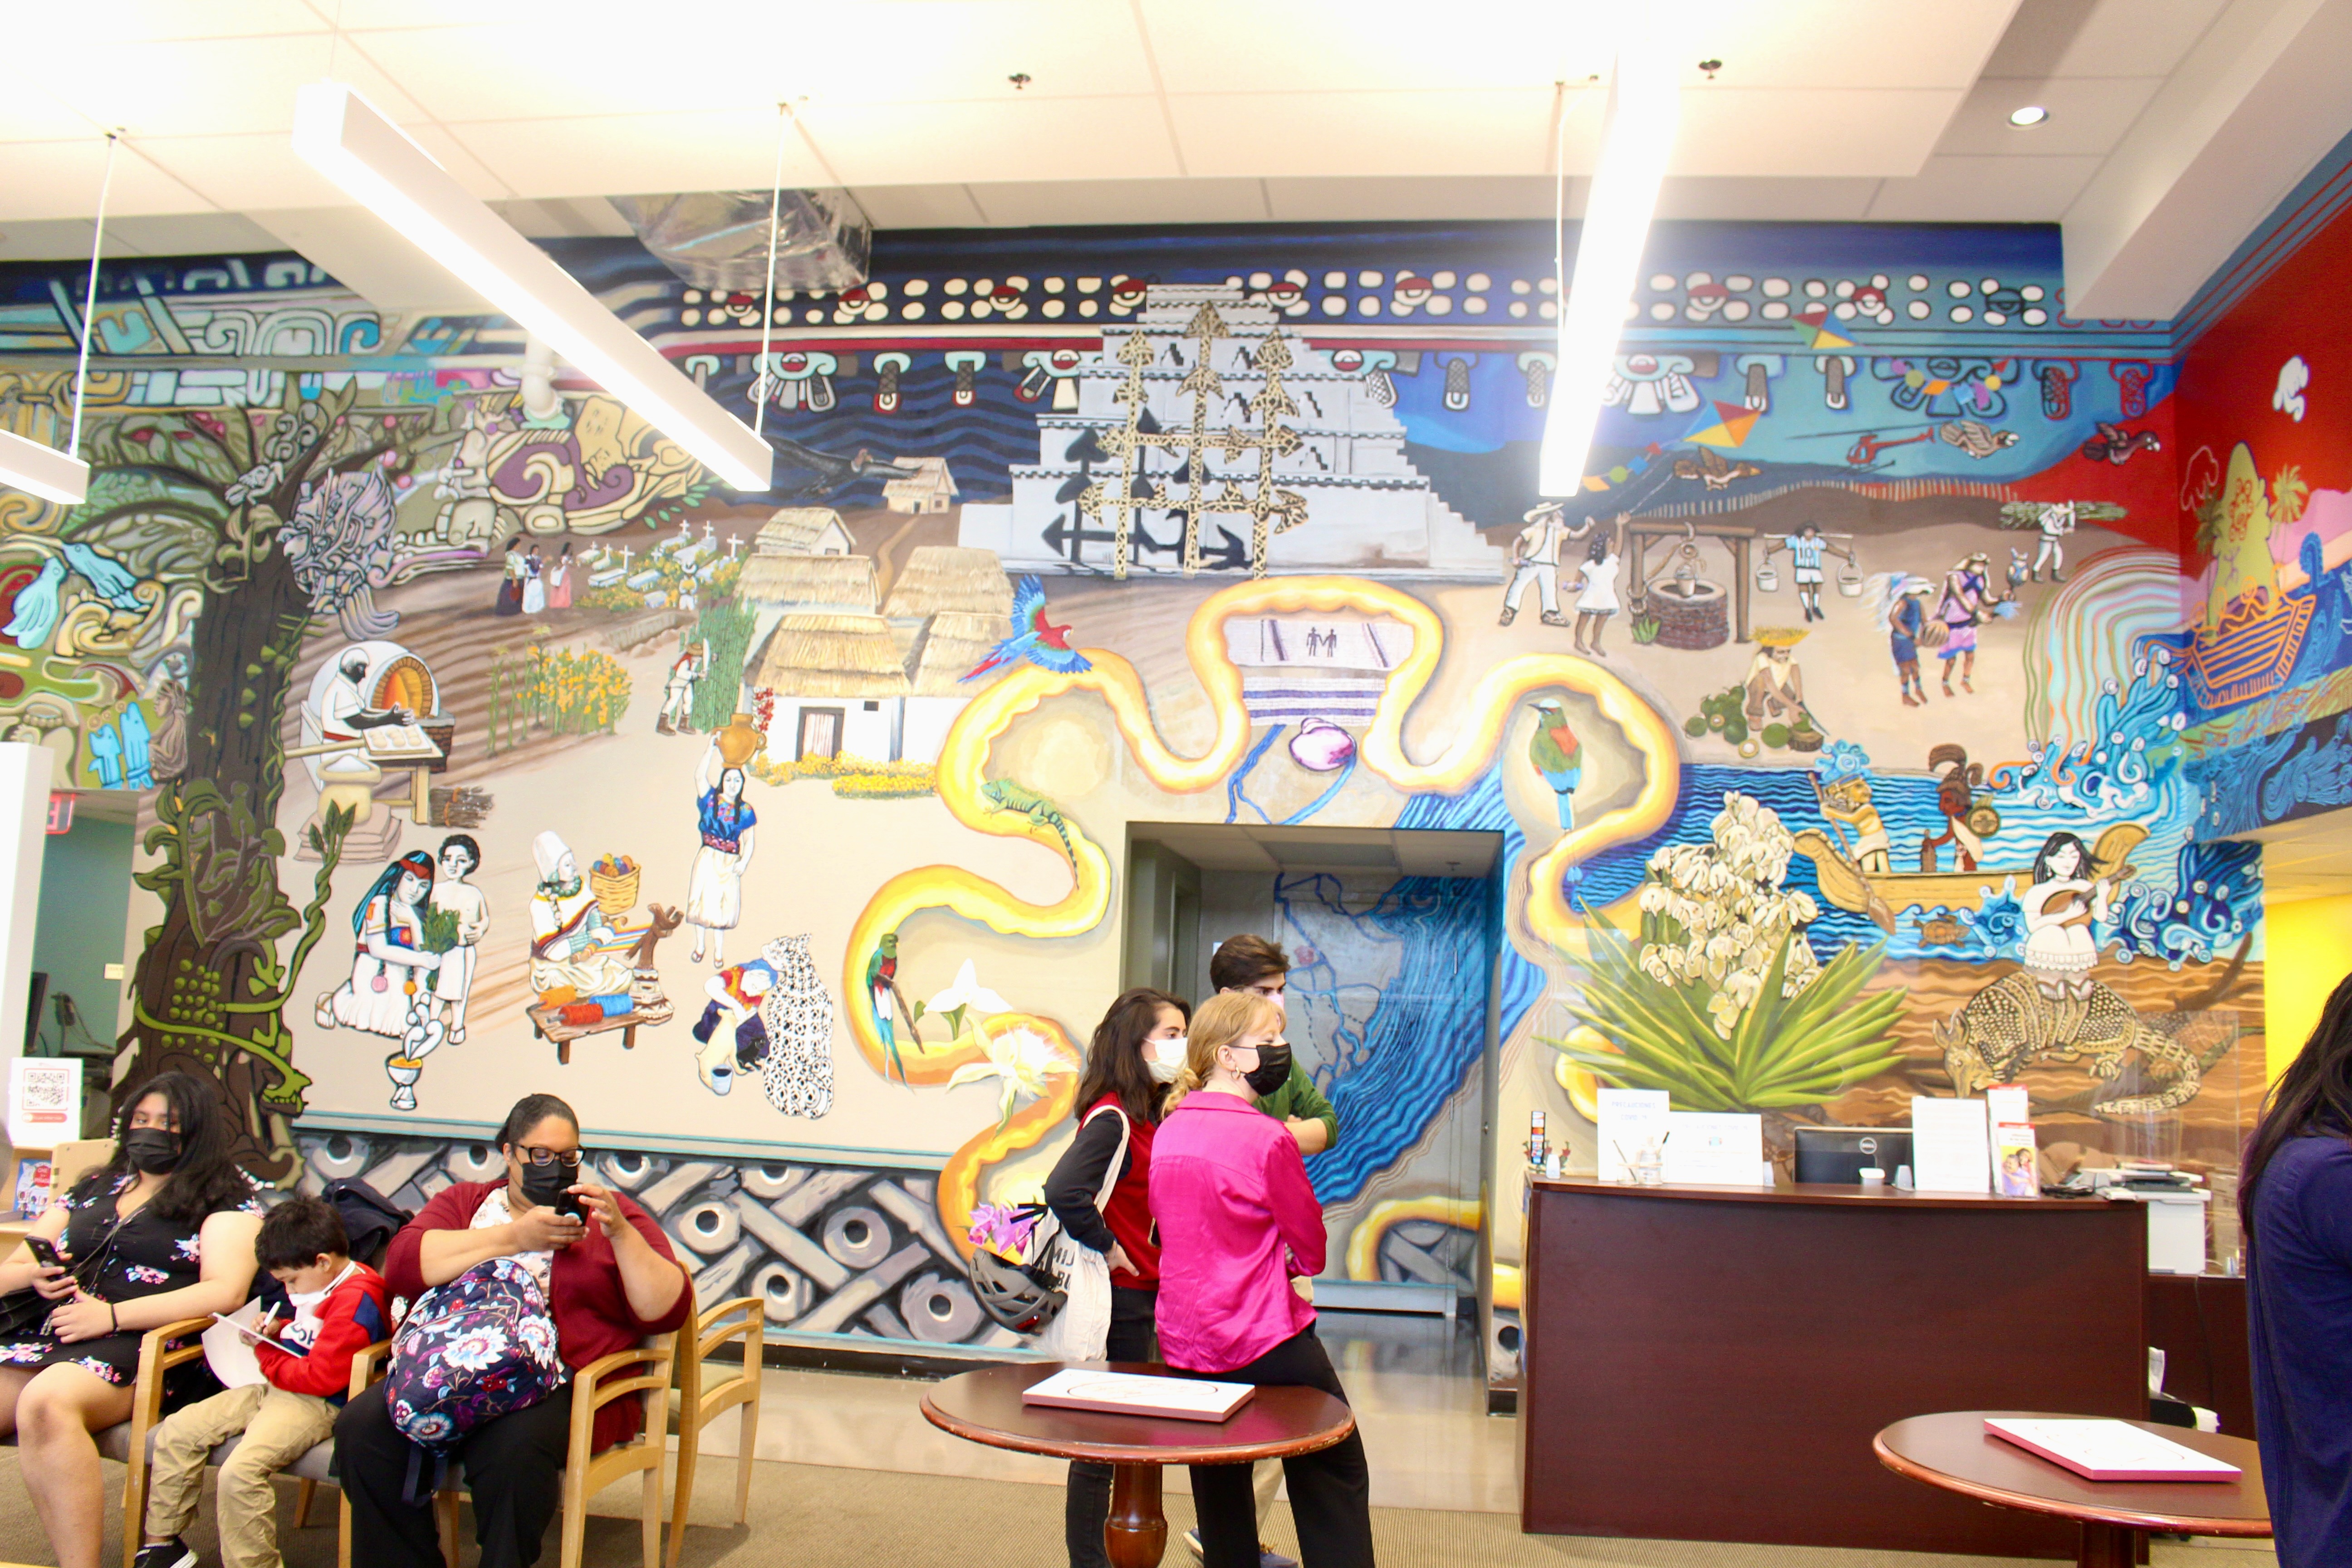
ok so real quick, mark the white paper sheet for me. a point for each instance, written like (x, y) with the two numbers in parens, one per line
(1951, 1150)
(1633, 1123)
(1715, 1148)
(230, 1353)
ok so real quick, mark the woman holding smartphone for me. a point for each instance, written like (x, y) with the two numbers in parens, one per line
(1137, 1048)
(1237, 1218)
(162, 1231)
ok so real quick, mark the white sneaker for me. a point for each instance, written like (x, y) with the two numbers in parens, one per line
(1192, 1543)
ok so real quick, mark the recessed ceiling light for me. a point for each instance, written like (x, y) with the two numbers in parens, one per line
(2031, 114)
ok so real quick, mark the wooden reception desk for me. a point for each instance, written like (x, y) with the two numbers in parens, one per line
(1710, 1364)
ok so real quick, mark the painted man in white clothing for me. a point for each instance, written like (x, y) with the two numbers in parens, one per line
(1535, 558)
(1806, 548)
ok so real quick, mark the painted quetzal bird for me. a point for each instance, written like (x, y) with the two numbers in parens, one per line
(1034, 637)
(882, 988)
(1559, 755)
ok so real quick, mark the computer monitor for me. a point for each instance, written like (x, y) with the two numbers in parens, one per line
(37, 996)
(1840, 1154)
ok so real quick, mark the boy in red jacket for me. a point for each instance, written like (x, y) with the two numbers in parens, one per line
(339, 1310)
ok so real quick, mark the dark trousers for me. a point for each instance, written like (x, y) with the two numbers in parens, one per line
(1087, 1507)
(514, 1467)
(1330, 1491)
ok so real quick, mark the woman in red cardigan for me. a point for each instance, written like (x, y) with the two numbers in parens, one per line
(609, 1283)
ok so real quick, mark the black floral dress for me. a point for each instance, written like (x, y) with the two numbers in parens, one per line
(143, 1255)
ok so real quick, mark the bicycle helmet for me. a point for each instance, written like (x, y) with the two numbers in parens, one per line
(1022, 1299)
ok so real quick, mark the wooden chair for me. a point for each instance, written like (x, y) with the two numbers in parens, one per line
(699, 1399)
(585, 1473)
(134, 1441)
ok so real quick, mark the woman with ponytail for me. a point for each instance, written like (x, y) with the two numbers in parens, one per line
(1237, 1219)
(1138, 1048)
(2295, 1199)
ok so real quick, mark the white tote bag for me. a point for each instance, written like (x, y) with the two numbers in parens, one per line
(1081, 1330)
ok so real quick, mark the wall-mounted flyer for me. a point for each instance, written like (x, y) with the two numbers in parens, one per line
(1715, 1148)
(1632, 1131)
(1951, 1150)
(44, 1100)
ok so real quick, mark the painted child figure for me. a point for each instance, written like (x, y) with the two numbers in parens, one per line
(339, 1308)
(458, 898)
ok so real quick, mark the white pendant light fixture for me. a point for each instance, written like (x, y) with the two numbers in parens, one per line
(1636, 139)
(35, 466)
(345, 138)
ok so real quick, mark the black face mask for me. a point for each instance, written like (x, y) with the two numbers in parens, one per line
(1272, 1070)
(152, 1150)
(542, 1184)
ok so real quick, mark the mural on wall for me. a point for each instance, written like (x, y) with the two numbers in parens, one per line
(1072, 533)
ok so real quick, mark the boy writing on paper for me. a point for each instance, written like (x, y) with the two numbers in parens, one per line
(339, 1308)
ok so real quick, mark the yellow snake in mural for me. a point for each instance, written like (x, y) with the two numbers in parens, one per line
(962, 774)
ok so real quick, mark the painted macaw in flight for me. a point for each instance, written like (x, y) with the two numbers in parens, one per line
(1557, 756)
(1034, 637)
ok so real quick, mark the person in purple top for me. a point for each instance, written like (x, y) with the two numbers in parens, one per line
(2295, 1202)
(1238, 1218)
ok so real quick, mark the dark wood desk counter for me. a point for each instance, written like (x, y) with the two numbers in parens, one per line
(1712, 1364)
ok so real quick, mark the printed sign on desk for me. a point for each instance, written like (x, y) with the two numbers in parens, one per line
(1632, 1131)
(1716, 1149)
(44, 1101)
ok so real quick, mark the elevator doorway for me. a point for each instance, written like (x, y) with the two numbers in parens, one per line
(1392, 935)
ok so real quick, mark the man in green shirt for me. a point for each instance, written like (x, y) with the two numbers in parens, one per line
(1253, 963)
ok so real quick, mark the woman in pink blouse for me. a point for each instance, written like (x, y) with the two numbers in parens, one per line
(1237, 1218)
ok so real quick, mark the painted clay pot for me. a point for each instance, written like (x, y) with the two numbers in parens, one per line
(740, 741)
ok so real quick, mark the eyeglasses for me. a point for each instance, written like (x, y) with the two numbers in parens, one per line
(544, 1157)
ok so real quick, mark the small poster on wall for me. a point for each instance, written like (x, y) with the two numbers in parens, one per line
(44, 1101)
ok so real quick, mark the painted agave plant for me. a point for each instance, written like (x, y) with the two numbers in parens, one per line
(1781, 1052)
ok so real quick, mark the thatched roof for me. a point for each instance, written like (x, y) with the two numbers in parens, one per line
(843, 584)
(941, 578)
(931, 477)
(797, 529)
(953, 645)
(830, 656)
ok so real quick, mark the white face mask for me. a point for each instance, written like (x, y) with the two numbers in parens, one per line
(1165, 1058)
(1281, 999)
(303, 1300)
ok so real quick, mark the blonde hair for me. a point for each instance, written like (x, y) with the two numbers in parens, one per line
(1216, 1024)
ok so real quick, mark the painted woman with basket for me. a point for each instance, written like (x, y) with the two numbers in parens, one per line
(162, 1231)
(511, 1294)
(1100, 1192)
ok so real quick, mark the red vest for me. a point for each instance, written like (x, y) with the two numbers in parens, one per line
(1129, 1212)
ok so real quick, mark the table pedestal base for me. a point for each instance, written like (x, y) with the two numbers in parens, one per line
(2111, 1546)
(1137, 1532)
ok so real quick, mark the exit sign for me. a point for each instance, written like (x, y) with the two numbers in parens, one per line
(61, 805)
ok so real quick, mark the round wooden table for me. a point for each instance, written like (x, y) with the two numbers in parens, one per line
(985, 1407)
(1954, 1451)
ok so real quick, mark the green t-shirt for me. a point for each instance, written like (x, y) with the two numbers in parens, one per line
(1298, 1097)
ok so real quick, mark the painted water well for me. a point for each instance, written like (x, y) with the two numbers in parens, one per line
(1693, 613)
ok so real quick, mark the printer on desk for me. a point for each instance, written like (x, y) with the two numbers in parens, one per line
(2176, 1203)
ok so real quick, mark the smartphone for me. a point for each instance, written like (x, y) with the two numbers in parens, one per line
(567, 1204)
(44, 1252)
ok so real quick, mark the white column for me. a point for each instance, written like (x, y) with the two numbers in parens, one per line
(23, 835)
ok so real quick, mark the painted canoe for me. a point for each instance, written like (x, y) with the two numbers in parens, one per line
(1882, 895)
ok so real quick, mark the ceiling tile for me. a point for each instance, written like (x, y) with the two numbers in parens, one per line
(189, 234)
(1850, 131)
(1767, 200)
(1505, 132)
(218, 87)
(1411, 197)
(2101, 38)
(1020, 138)
(564, 217)
(59, 239)
(2087, 114)
(60, 180)
(29, 115)
(920, 207)
(1033, 203)
(1373, 46)
(1852, 43)
(1985, 190)
(147, 21)
(242, 172)
(632, 154)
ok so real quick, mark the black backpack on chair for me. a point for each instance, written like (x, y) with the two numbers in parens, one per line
(370, 1219)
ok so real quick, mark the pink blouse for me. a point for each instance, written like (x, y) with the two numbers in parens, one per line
(1237, 1218)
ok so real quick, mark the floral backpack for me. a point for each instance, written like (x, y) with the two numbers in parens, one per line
(478, 1348)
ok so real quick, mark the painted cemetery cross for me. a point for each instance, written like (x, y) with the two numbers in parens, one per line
(1843, 756)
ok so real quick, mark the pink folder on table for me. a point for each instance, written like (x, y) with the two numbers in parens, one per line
(2106, 1450)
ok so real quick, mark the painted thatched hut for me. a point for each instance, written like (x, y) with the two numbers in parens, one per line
(932, 488)
(839, 685)
(811, 584)
(941, 578)
(804, 530)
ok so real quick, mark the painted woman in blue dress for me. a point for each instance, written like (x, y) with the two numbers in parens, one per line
(714, 888)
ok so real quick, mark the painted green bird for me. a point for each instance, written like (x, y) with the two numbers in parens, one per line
(1559, 755)
(882, 988)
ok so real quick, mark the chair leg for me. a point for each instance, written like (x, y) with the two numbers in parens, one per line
(134, 1508)
(575, 1514)
(651, 1513)
(445, 1518)
(689, 1443)
(303, 1501)
(744, 1450)
(344, 1531)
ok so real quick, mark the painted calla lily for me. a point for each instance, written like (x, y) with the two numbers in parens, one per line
(1021, 1058)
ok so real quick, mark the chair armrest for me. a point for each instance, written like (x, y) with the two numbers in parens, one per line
(751, 1326)
(368, 1364)
(155, 1358)
(594, 1386)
